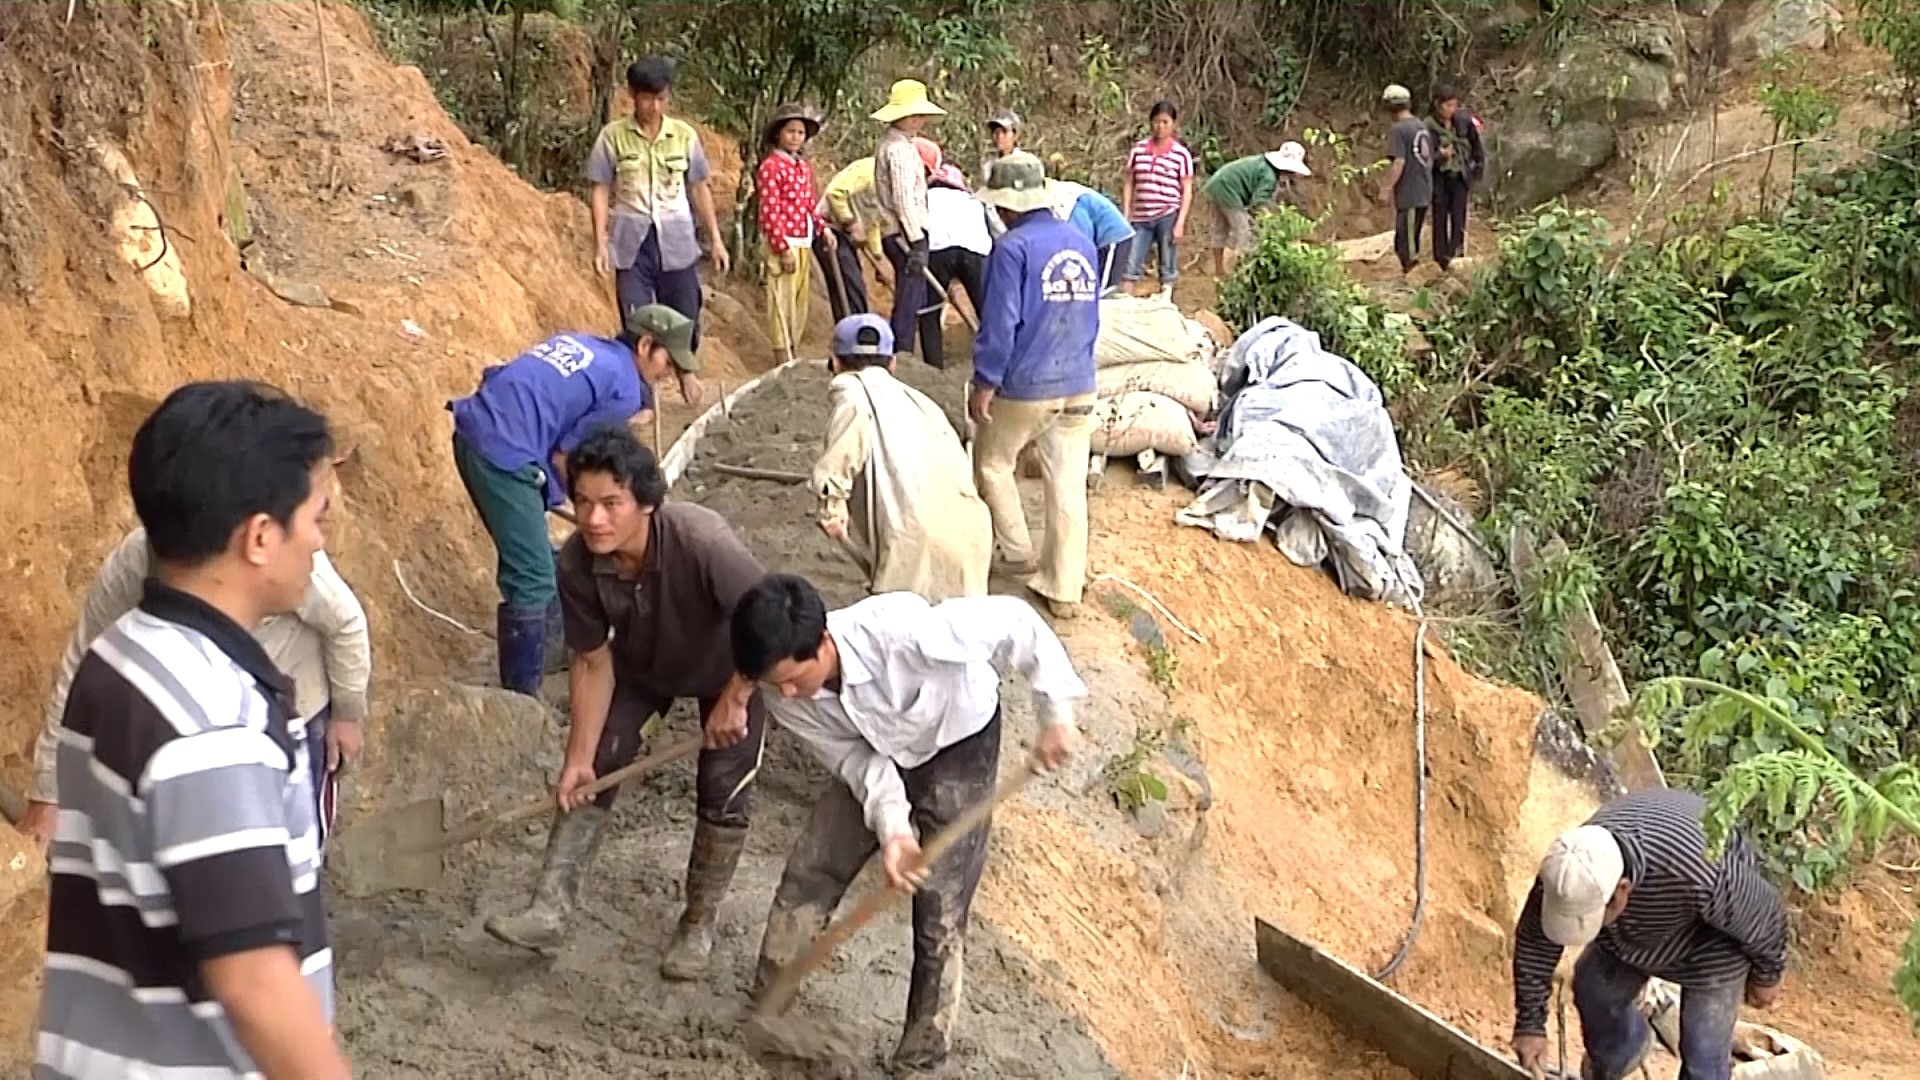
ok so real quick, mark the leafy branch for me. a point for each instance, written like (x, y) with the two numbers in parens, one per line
(1789, 784)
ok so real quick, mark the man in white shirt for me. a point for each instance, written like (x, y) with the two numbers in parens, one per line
(900, 700)
(323, 647)
(959, 239)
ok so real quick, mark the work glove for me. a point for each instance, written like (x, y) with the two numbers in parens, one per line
(916, 261)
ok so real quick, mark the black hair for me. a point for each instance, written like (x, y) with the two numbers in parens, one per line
(1447, 92)
(613, 450)
(213, 455)
(650, 75)
(1163, 106)
(781, 618)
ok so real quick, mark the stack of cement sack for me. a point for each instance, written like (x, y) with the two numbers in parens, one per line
(1158, 381)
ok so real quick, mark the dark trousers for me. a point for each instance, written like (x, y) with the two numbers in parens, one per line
(724, 778)
(1408, 224)
(909, 291)
(1113, 260)
(646, 283)
(1450, 197)
(1604, 993)
(325, 792)
(837, 843)
(949, 265)
(513, 507)
(846, 255)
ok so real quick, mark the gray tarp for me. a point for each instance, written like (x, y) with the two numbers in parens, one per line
(1305, 448)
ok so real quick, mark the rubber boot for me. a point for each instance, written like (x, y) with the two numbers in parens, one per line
(710, 866)
(521, 636)
(933, 1006)
(555, 642)
(570, 849)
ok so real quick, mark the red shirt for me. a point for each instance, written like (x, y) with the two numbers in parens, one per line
(787, 200)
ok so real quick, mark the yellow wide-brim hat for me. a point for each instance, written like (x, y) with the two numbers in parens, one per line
(908, 97)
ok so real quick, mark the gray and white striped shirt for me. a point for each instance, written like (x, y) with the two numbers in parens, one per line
(186, 832)
(1690, 920)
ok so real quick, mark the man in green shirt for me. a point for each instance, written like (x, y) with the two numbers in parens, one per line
(1239, 187)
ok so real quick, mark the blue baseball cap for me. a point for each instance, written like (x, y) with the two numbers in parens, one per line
(863, 335)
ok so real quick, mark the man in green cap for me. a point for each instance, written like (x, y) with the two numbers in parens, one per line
(510, 441)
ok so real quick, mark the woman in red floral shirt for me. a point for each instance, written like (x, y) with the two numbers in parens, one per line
(788, 221)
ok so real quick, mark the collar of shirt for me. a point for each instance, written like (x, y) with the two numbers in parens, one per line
(609, 565)
(163, 601)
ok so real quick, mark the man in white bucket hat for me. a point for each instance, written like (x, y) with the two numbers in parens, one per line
(1637, 890)
(1233, 193)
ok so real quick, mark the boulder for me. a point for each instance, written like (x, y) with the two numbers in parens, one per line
(1607, 82)
(1537, 162)
(507, 747)
(1776, 26)
(1453, 563)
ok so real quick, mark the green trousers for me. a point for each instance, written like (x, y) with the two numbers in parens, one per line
(513, 507)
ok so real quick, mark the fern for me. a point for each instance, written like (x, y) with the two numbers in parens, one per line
(1790, 785)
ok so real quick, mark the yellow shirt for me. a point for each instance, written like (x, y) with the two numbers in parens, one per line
(850, 200)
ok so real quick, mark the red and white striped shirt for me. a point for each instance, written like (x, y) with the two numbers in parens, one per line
(1159, 175)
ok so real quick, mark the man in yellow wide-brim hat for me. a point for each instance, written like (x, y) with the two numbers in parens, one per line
(900, 184)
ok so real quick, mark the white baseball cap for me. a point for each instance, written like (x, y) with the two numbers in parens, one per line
(1578, 877)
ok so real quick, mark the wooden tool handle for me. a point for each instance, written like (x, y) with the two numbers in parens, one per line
(475, 830)
(781, 993)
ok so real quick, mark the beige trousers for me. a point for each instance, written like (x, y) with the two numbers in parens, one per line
(1060, 431)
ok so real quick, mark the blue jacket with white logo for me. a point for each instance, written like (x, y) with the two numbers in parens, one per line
(548, 398)
(1041, 312)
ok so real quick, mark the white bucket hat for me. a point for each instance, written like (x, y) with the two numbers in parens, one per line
(1290, 158)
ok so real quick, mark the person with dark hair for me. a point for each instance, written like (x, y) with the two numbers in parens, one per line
(181, 757)
(894, 483)
(1459, 163)
(508, 438)
(1408, 188)
(789, 222)
(647, 587)
(650, 181)
(900, 186)
(1156, 195)
(1033, 380)
(1003, 128)
(900, 700)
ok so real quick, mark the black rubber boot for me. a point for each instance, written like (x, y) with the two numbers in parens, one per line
(555, 643)
(522, 643)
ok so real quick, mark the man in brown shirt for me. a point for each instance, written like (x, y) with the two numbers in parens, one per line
(647, 589)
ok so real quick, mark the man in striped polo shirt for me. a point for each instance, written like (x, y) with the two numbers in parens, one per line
(1636, 891)
(185, 934)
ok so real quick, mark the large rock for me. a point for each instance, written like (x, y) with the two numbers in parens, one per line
(1454, 562)
(1535, 162)
(474, 746)
(1606, 82)
(1776, 26)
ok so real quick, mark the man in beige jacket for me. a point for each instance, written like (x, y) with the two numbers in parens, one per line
(323, 647)
(894, 484)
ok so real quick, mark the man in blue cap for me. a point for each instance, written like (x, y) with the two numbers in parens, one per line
(510, 440)
(894, 483)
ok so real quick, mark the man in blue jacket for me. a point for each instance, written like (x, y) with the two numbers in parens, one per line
(510, 440)
(1033, 378)
(1095, 215)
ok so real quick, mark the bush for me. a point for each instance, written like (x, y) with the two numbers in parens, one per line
(1287, 274)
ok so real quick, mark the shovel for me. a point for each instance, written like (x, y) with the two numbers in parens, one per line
(402, 849)
(769, 1033)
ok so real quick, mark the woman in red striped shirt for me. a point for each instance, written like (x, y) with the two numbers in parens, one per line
(790, 222)
(1156, 195)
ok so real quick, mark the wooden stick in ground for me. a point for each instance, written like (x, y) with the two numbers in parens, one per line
(834, 277)
(326, 67)
(780, 995)
(745, 473)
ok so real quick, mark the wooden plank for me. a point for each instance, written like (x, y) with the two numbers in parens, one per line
(1594, 682)
(1410, 1036)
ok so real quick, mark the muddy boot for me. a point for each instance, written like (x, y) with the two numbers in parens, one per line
(716, 851)
(790, 929)
(570, 848)
(933, 1005)
(555, 643)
